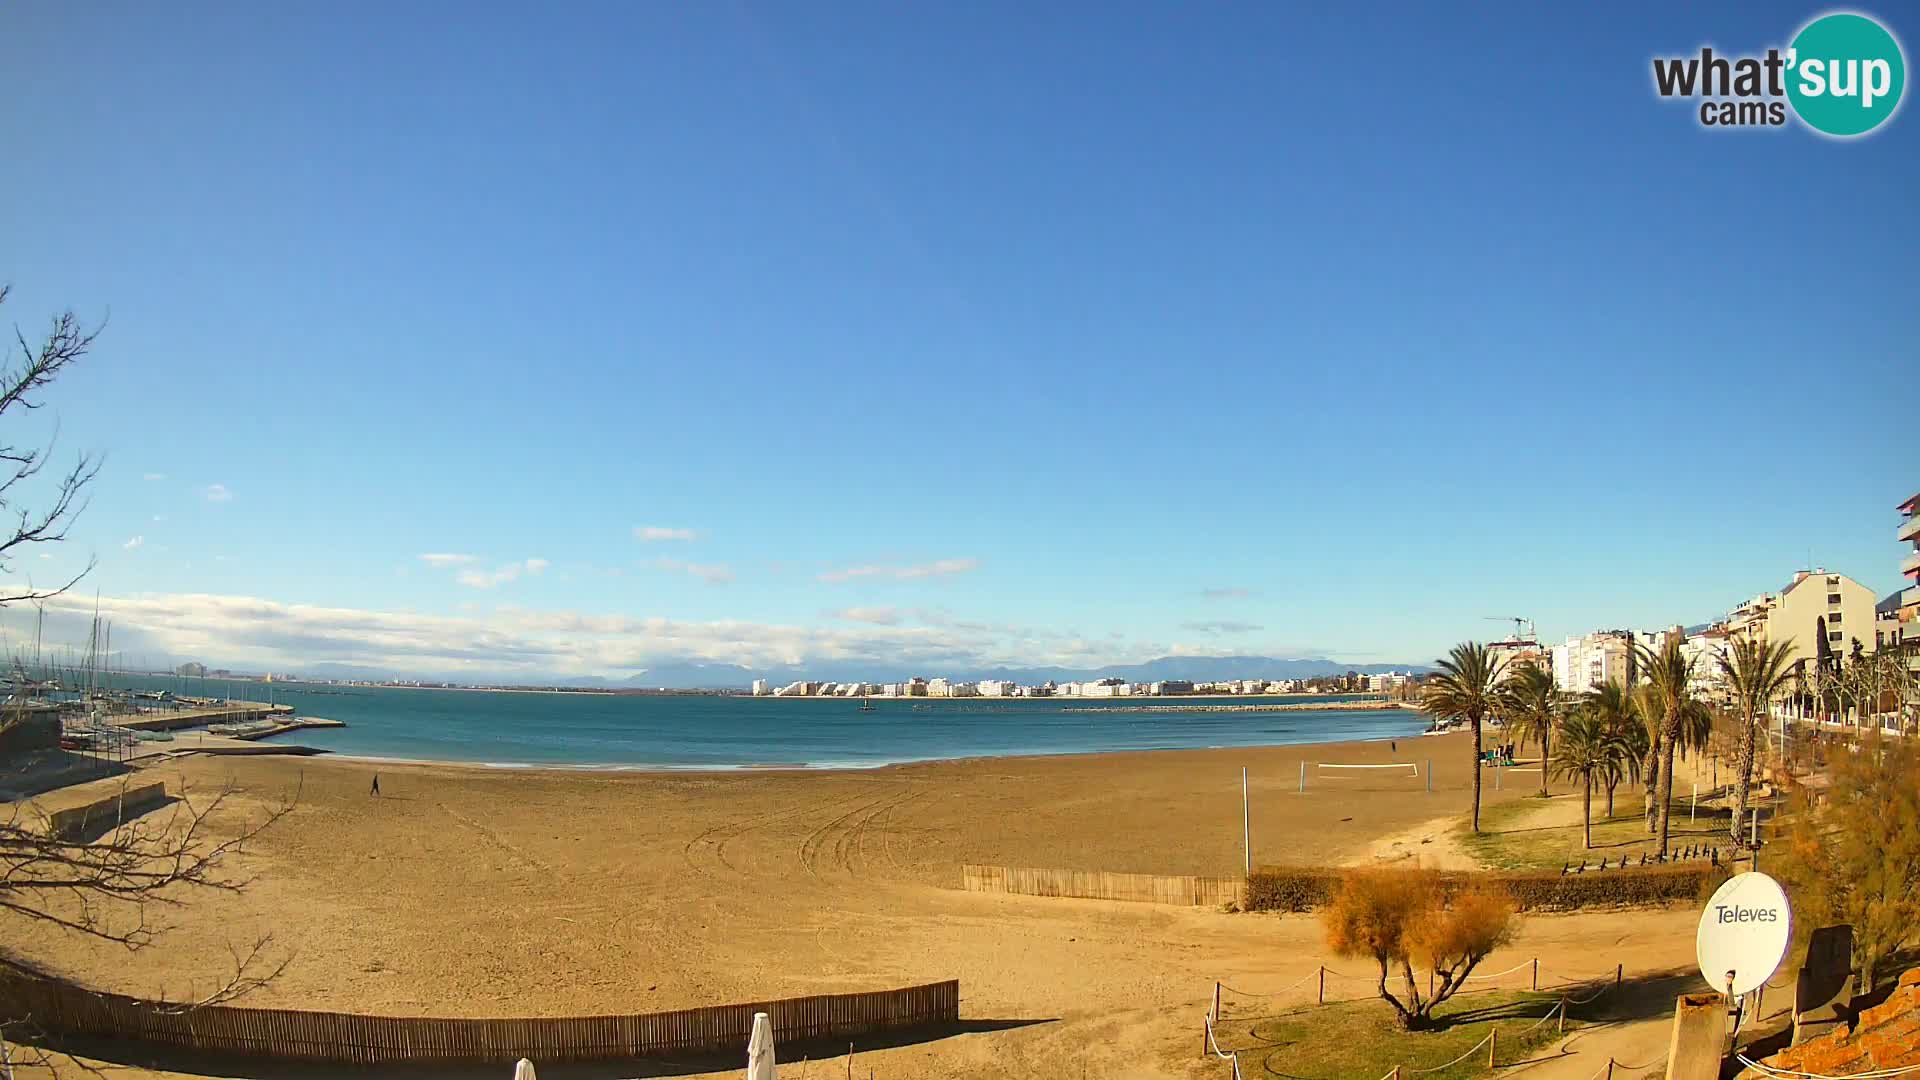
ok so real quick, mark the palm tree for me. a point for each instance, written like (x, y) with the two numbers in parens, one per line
(1467, 688)
(1530, 707)
(1612, 706)
(1646, 708)
(1589, 749)
(1757, 672)
(1669, 674)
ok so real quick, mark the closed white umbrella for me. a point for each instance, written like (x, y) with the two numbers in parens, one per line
(524, 1070)
(760, 1048)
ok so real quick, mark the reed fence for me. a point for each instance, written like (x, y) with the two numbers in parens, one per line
(1101, 885)
(57, 1007)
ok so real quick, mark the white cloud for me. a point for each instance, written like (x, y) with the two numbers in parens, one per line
(217, 493)
(654, 534)
(500, 575)
(155, 476)
(1223, 626)
(878, 616)
(134, 542)
(159, 517)
(267, 634)
(711, 573)
(442, 560)
(937, 568)
(1228, 592)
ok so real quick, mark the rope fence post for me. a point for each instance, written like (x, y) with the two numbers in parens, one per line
(1493, 1045)
(1536, 973)
(1619, 970)
(1216, 1002)
(1560, 1025)
(1303, 776)
(1429, 776)
(1609, 1069)
(1320, 995)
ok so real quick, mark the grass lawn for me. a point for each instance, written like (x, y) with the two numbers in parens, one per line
(1361, 1040)
(1513, 837)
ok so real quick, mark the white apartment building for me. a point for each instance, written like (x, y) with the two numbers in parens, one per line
(996, 688)
(759, 688)
(939, 688)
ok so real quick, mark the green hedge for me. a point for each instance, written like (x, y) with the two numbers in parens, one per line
(1296, 888)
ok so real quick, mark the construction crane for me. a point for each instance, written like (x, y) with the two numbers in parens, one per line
(1522, 627)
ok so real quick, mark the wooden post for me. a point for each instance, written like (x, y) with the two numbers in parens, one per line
(1320, 995)
(1561, 1024)
(1609, 1069)
(1536, 973)
(1493, 1045)
(1303, 777)
(1618, 971)
(1215, 1014)
(1429, 776)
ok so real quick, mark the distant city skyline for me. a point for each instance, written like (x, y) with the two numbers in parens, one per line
(946, 339)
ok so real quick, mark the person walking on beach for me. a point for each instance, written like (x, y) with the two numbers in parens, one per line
(376, 786)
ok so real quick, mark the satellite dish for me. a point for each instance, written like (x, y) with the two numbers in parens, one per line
(1744, 933)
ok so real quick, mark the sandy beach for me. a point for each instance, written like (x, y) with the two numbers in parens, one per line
(485, 892)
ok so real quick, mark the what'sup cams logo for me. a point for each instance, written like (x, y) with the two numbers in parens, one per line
(1843, 76)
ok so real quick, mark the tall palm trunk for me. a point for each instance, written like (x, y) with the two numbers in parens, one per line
(1747, 753)
(1666, 776)
(1546, 755)
(1476, 773)
(1650, 780)
(1586, 815)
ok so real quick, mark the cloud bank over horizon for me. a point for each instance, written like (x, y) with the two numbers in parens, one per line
(252, 633)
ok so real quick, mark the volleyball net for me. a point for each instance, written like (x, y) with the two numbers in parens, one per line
(1354, 776)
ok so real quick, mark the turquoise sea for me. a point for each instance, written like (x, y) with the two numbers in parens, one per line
(694, 732)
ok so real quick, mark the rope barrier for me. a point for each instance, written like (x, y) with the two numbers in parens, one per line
(1558, 1007)
(1788, 1074)
(1213, 1044)
(1302, 981)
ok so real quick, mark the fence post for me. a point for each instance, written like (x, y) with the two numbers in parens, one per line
(1320, 995)
(1560, 1025)
(1536, 973)
(1609, 1069)
(1493, 1045)
(1216, 1002)
(1618, 971)
(1206, 1037)
(1429, 776)
(1303, 776)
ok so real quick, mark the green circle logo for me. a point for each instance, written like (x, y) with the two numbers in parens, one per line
(1845, 74)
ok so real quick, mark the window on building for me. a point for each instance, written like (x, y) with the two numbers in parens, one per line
(1833, 598)
(1833, 635)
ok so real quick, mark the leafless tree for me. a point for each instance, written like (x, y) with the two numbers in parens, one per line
(113, 885)
(67, 340)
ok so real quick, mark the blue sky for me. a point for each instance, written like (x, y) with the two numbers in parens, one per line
(1087, 333)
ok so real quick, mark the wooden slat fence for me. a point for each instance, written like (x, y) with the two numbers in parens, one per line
(61, 1008)
(1101, 885)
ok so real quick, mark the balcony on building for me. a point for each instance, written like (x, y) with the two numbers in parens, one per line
(1910, 528)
